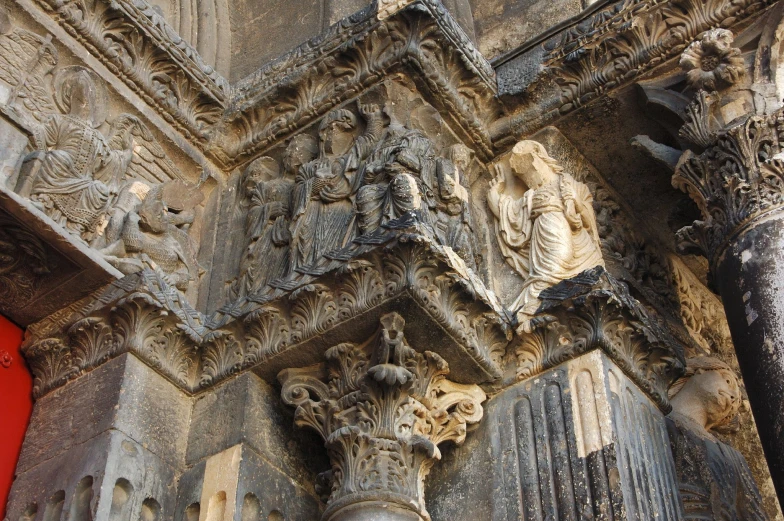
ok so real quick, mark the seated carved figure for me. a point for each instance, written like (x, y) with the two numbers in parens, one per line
(154, 236)
(714, 480)
(549, 234)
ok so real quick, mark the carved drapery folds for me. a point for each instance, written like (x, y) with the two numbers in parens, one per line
(382, 409)
(550, 233)
(592, 311)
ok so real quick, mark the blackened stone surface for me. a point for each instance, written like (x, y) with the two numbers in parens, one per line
(750, 279)
(123, 394)
(577, 442)
(247, 410)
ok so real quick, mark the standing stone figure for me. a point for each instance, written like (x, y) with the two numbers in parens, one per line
(714, 480)
(81, 169)
(267, 234)
(454, 226)
(325, 187)
(549, 234)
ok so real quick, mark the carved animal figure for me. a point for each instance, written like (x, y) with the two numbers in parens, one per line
(547, 235)
(154, 236)
(714, 479)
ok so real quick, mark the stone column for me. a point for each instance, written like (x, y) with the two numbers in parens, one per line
(738, 184)
(382, 409)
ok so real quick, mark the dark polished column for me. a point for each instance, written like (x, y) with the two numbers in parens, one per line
(750, 277)
(738, 183)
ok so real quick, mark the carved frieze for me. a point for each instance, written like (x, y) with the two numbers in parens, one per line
(382, 409)
(396, 267)
(136, 43)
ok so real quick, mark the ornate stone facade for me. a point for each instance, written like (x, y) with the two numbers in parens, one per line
(465, 277)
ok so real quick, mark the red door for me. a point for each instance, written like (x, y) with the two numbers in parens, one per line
(16, 403)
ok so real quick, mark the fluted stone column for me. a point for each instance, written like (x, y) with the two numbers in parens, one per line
(738, 184)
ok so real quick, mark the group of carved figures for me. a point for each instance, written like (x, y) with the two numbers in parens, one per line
(340, 186)
(133, 210)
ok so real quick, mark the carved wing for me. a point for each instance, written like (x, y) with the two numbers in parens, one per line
(26, 60)
(150, 162)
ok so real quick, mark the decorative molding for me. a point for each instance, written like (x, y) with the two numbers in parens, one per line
(382, 409)
(354, 55)
(630, 37)
(137, 45)
(735, 181)
(142, 314)
(592, 311)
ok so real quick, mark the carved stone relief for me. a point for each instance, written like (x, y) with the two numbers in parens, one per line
(714, 478)
(549, 234)
(382, 409)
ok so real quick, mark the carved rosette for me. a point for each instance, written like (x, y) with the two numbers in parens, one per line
(382, 409)
(737, 180)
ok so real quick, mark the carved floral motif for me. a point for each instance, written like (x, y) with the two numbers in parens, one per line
(382, 409)
(712, 62)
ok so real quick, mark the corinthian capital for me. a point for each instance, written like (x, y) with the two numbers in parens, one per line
(382, 409)
(738, 179)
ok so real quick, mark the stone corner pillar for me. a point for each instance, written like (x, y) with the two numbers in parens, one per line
(382, 409)
(581, 434)
(738, 184)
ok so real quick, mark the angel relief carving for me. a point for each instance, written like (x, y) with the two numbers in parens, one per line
(96, 186)
(549, 234)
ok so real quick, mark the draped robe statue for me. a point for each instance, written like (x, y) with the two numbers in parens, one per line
(267, 234)
(323, 208)
(714, 480)
(549, 234)
(81, 170)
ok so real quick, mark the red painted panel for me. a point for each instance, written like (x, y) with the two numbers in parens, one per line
(16, 386)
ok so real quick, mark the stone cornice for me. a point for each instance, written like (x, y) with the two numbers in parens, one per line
(234, 123)
(136, 44)
(397, 268)
(609, 48)
(355, 54)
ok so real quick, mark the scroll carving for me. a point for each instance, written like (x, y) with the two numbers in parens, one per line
(382, 409)
(547, 235)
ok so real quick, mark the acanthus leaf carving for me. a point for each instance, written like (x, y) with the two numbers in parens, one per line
(92, 342)
(382, 409)
(51, 363)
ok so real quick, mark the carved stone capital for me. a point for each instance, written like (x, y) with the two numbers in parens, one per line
(738, 179)
(595, 311)
(382, 409)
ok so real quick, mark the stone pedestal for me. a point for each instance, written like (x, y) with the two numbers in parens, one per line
(107, 445)
(579, 441)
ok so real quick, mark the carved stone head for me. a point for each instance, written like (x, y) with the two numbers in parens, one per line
(708, 393)
(532, 164)
(260, 170)
(461, 156)
(153, 215)
(78, 92)
(302, 149)
(337, 132)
